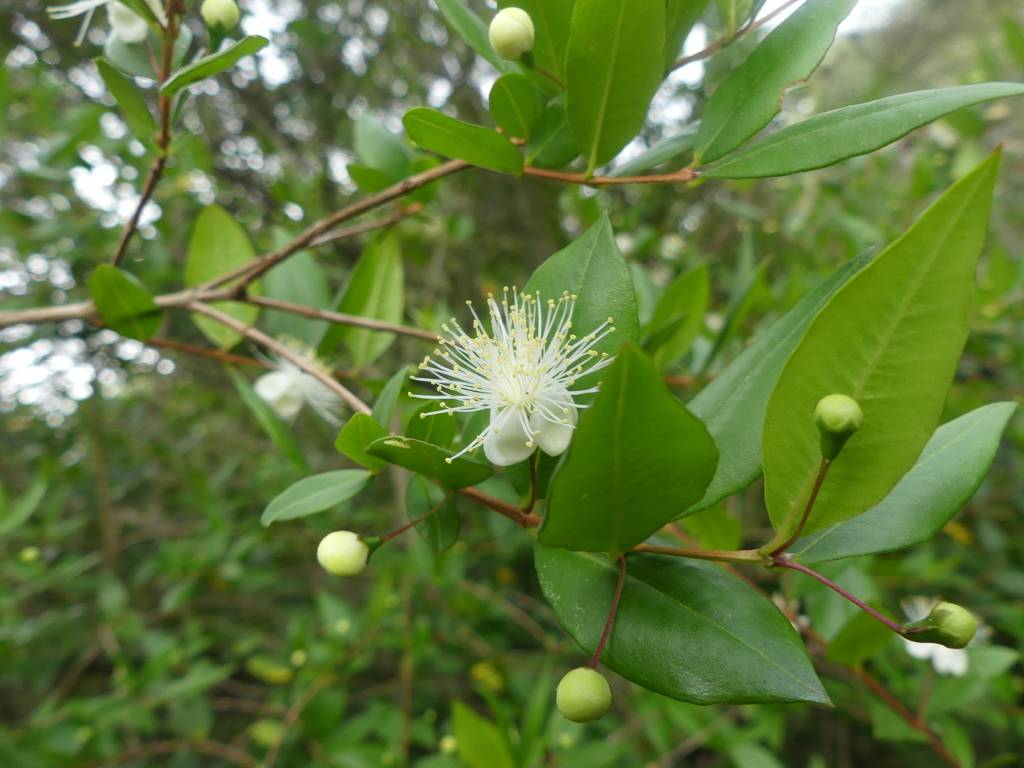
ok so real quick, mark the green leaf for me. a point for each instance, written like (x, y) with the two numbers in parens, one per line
(752, 94)
(124, 303)
(850, 131)
(429, 460)
(681, 311)
(361, 430)
(592, 268)
(136, 59)
(276, 430)
(638, 460)
(298, 279)
(375, 290)
(129, 100)
(688, 630)
(387, 401)
(667, 149)
(211, 65)
(889, 338)
(680, 18)
(21, 510)
(551, 21)
(472, 29)
(614, 64)
(219, 245)
(315, 494)
(950, 469)
(380, 149)
(515, 105)
(438, 429)
(732, 406)
(552, 144)
(435, 131)
(441, 529)
(480, 742)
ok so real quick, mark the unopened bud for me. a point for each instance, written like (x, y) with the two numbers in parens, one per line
(948, 624)
(221, 14)
(343, 553)
(511, 33)
(837, 418)
(583, 695)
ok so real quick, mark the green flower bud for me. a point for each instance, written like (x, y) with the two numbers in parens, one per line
(342, 553)
(583, 695)
(837, 418)
(948, 624)
(511, 33)
(222, 14)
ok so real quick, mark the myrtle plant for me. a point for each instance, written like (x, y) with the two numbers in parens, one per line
(552, 407)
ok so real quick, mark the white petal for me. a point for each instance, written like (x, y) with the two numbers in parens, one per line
(126, 23)
(280, 391)
(950, 661)
(321, 399)
(920, 650)
(506, 442)
(552, 436)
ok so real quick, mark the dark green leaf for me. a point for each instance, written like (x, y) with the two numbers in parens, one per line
(552, 144)
(688, 630)
(950, 469)
(429, 460)
(638, 460)
(129, 100)
(441, 529)
(361, 430)
(515, 105)
(438, 429)
(752, 94)
(211, 65)
(613, 66)
(387, 401)
(315, 494)
(856, 130)
(551, 20)
(269, 421)
(680, 311)
(475, 144)
(124, 303)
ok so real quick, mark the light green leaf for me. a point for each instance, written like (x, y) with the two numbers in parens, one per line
(387, 401)
(685, 629)
(315, 494)
(380, 149)
(638, 460)
(950, 469)
(515, 105)
(429, 460)
(473, 30)
(219, 245)
(269, 421)
(129, 100)
(298, 279)
(890, 338)
(361, 430)
(438, 429)
(752, 94)
(850, 131)
(214, 64)
(680, 312)
(614, 64)
(592, 268)
(14, 514)
(136, 59)
(441, 529)
(732, 406)
(667, 149)
(124, 303)
(435, 131)
(480, 742)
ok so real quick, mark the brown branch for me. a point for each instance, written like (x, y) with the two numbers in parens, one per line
(676, 177)
(339, 317)
(225, 752)
(512, 512)
(725, 40)
(207, 352)
(720, 555)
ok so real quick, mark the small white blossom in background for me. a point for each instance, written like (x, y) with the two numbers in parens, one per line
(522, 373)
(946, 661)
(125, 24)
(287, 388)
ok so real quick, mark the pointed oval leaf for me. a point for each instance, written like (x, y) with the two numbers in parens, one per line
(515, 105)
(832, 136)
(124, 303)
(353, 439)
(638, 460)
(315, 494)
(951, 468)
(214, 64)
(678, 316)
(129, 100)
(435, 131)
(890, 338)
(688, 630)
(441, 529)
(429, 460)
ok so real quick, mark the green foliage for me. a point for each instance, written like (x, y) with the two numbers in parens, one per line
(213, 64)
(315, 494)
(435, 131)
(129, 100)
(269, 421)
(441, 529)
(515, 105)
(361, 430)
(123, 302)
(430, 460)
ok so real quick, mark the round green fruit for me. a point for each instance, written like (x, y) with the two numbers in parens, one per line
(583, 695)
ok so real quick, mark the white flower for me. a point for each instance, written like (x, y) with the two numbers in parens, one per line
(287, 388)
(125, 23)
(522, 374)
(946, 661)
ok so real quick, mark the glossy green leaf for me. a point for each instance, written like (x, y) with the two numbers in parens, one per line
(219, 245)
(850, 131)
(688, 630)
(733, 404)
(614, 64)
(441, 529)
(950, 469)
(552, 144)
(680, 17)
(270, 422)
(515, 105)
(752, 94)
(300, 280)
(213, 64)
(666, 150)
(438, 429)
(429, 460)
(353, 439)
(315, 494)
(435, 131)
(376, 290)
(680, 311)
(592, 268)
(380, 149)
(480, 742)
(890, 338)
(638, 460)
(472, 29)
(124, 303)
(129, 100)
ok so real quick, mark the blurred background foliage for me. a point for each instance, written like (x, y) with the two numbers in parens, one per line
(146, 617)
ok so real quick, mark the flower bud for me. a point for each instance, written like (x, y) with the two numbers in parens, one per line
(948, 624)
(342, 553)
(511, 33)
(837, 418)
(583, 695)
(222, 14)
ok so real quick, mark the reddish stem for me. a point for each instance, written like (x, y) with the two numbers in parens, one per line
(606, 632)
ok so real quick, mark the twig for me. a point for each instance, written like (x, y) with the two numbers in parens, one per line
(808, 507)
(613, 611)
(725, 40)
(514, 513)
(721, 555)
(338, 317)
(225, 752)
(207, 352)
(676, 177)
